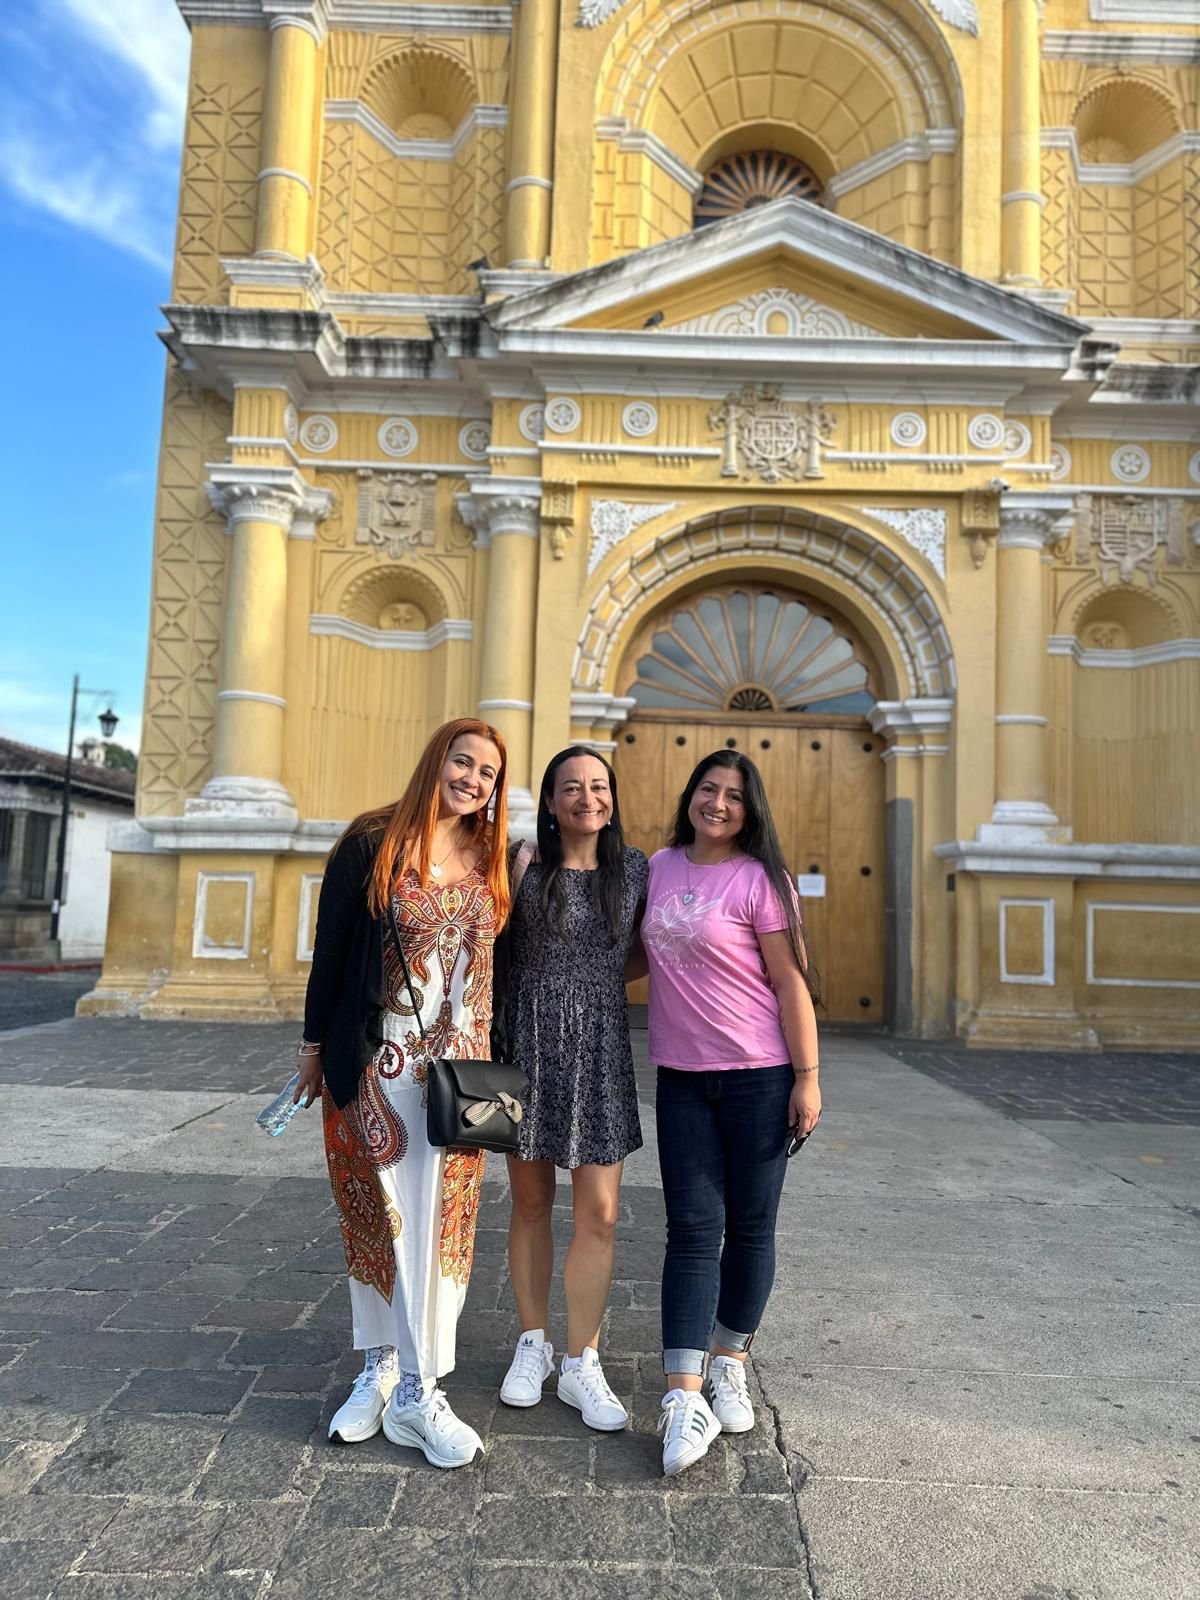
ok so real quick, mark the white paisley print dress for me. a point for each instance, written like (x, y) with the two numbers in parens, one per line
(408, 1210)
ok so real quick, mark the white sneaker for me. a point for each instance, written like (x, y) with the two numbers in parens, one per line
(359, 1418)
(431, 1426)
(532, 1364)
(688, 1428)
(586, 1388)
(728, 1395)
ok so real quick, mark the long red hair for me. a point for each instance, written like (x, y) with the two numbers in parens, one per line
(406, 826)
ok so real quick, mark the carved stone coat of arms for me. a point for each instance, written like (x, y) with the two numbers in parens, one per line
(396, 512)
(770, 438)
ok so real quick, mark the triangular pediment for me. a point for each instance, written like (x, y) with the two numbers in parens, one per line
(785, 270)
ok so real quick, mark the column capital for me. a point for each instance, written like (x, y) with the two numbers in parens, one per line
(923, 714)
(494, 506)
(1033, 521)
(259, 494)
(311, 16)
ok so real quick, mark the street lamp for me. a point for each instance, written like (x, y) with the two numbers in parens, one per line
(108, 726)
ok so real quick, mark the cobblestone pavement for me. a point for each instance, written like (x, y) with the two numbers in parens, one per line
(977, 1380)
(1113, 1086)
(29, 998)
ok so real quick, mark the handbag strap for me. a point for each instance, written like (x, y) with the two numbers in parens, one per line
(412, 993)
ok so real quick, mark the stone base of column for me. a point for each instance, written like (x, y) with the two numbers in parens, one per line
(1029, 1030)
(522, 814)
(243, 799)
(1022, 822)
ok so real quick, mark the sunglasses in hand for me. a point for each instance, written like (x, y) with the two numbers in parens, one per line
(798, 1140)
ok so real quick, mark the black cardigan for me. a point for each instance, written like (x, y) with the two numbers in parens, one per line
(343, 1008)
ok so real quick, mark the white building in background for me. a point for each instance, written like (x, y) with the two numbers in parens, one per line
(31, 788)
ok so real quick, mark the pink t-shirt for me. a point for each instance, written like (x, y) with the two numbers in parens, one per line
(712, 1007)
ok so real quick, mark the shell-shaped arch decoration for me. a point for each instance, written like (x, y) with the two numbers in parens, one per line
(750, 650)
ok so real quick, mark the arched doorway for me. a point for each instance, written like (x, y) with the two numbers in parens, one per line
(780, 675)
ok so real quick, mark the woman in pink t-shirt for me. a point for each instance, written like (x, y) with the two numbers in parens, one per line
(734, 1037)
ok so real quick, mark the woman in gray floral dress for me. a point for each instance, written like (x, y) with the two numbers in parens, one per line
(575, 907)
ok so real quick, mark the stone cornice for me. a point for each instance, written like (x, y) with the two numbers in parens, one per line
(369, 16)
(1072, 860)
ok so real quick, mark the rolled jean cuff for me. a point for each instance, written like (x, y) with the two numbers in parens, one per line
(729, 1340)
(690, 1361)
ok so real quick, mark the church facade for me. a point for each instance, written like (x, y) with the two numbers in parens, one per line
(665, 375)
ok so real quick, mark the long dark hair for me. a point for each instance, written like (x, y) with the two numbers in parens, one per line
(757, 838)
(608, 882)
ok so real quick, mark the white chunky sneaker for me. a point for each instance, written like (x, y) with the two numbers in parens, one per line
(586, 1388)
(359, 1418)
(688, 1428)
(728, 1395)
(532, 1364)
(431, 1426)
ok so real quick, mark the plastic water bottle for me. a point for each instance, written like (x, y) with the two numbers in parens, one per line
(273, 1119)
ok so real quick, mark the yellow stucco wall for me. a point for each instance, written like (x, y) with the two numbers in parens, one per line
(308, 633)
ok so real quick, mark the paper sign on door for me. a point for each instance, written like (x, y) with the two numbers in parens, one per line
(811, 885)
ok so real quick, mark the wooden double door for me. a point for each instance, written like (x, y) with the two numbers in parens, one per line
(825, 783)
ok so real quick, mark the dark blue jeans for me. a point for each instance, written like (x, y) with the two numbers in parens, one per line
(722, 1147)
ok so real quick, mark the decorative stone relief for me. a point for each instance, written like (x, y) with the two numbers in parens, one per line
(980, 521)
(397, 437)
(1123, 534)
(474, 440)
(985, 431)
(908, 430)
(1130, 463)
(1060, 463)
(805, 318)
(563, 416)
(401, 616)
(639, 419)
(768, 437)
(291, 423)
(593, 12)
(318, 434)
(960, 14)
(923, 528)
(1194, 468)
(1018, 441)
(396, 512)
(558, 513)
(532, 423)
(615, 520)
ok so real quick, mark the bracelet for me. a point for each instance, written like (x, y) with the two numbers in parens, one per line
(307, 1048)
(816, 1067)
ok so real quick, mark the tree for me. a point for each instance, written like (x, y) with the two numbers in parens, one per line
(118, 757)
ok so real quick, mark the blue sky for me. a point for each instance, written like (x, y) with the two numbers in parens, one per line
(91, 111)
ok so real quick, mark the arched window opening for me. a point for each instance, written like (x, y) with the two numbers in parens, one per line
(754, 178)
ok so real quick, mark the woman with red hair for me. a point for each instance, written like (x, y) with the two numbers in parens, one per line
(436, 859)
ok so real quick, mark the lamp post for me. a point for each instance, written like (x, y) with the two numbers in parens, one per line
(108, 726)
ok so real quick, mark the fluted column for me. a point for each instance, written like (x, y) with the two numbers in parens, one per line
(531, 143)
(285, 177)
(1027, 524)
(507, 516)
(1021, 169)
(260, 505)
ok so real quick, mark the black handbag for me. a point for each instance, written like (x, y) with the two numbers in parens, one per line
(471, 1105)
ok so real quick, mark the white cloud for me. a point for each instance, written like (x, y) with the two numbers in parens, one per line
(91, 197)
(151, 38)
(94, 142)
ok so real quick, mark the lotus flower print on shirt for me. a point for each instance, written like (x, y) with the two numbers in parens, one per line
(673, 927)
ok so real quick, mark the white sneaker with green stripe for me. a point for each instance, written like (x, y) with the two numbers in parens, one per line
(688, 1428)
